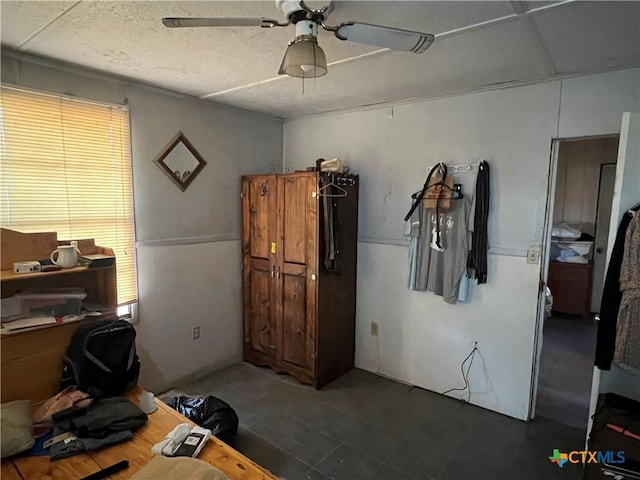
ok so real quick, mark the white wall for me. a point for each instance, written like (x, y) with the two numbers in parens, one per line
(421, 339)
(188, 243)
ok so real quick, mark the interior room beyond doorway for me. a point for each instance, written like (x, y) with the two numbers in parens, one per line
(585, 175)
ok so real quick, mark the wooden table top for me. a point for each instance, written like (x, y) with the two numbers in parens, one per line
(137, 451)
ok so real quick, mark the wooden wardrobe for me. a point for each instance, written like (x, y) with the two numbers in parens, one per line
(298, 316)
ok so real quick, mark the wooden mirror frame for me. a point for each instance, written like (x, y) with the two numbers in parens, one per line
(160, 160)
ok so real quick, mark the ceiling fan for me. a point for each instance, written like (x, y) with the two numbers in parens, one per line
(304, 57)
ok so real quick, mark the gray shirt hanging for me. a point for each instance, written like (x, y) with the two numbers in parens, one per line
(439, 269)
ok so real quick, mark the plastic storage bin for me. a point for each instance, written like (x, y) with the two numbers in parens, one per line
(51, 301)
(571, 251)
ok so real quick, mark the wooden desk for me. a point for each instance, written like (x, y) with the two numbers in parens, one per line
(31, 360)
(137, 451)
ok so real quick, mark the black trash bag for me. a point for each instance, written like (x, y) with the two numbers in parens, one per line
(208, 412)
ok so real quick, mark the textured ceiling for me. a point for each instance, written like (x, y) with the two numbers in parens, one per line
(477, 44)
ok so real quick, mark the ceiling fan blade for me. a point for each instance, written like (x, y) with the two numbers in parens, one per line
(386, 37)
(174, 22)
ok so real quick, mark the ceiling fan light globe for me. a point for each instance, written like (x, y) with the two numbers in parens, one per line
(304, 58)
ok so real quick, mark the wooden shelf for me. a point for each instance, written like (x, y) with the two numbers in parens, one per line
(6, 275)
(31, 360)
(99, 283)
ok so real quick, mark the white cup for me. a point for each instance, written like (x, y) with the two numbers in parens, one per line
(147, 404)
(66, 256)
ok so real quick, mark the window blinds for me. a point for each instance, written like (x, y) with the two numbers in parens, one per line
(66, 167)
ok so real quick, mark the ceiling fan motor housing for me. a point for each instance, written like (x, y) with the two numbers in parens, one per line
(305, 19)
(289, 7)
(307, 28)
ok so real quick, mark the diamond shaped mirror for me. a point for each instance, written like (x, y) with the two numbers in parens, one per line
(180, 161)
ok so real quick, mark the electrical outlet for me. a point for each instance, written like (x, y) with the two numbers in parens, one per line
(533, 256)
(374, 329)
(195, 333)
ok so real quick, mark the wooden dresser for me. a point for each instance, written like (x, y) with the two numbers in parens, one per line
(570, 285)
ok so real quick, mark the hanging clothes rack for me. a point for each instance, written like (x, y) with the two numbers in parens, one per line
(462, 168)
(327, 187)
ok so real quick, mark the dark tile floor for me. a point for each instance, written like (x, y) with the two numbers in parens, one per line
(566, 368)
(365, 427)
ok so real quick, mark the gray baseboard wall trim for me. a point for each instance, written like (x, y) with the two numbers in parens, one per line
(400, 242)
(170, 242)
(397, 242)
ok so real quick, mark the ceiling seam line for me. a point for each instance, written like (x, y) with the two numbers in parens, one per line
(500, 20)
(22, 47)
(450, 33)
(534, 35)
(283, 77)
(241, 87)
(505, 19)
(532, 32)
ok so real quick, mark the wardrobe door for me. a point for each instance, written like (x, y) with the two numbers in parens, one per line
(296, 274)
(259, 195)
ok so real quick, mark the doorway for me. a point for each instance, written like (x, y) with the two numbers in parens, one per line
(579, 210)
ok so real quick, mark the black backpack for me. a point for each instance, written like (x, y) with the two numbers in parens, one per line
(101, 359)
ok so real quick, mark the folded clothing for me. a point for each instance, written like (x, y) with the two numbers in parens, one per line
(76, 445)
(105, 422)
(570, 252)
(565, 230)
(101, 418)
(575, 259)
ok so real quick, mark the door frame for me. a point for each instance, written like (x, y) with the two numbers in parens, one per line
(544, 272)
(544, 259)
(595, 234)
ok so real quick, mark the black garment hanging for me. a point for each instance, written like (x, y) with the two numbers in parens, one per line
(611, 296)
(331, 227)
(477, 260)
(420, 196)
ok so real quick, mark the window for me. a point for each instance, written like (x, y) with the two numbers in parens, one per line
(66, 167)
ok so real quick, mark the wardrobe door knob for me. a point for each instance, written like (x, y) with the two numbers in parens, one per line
(599, 250)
